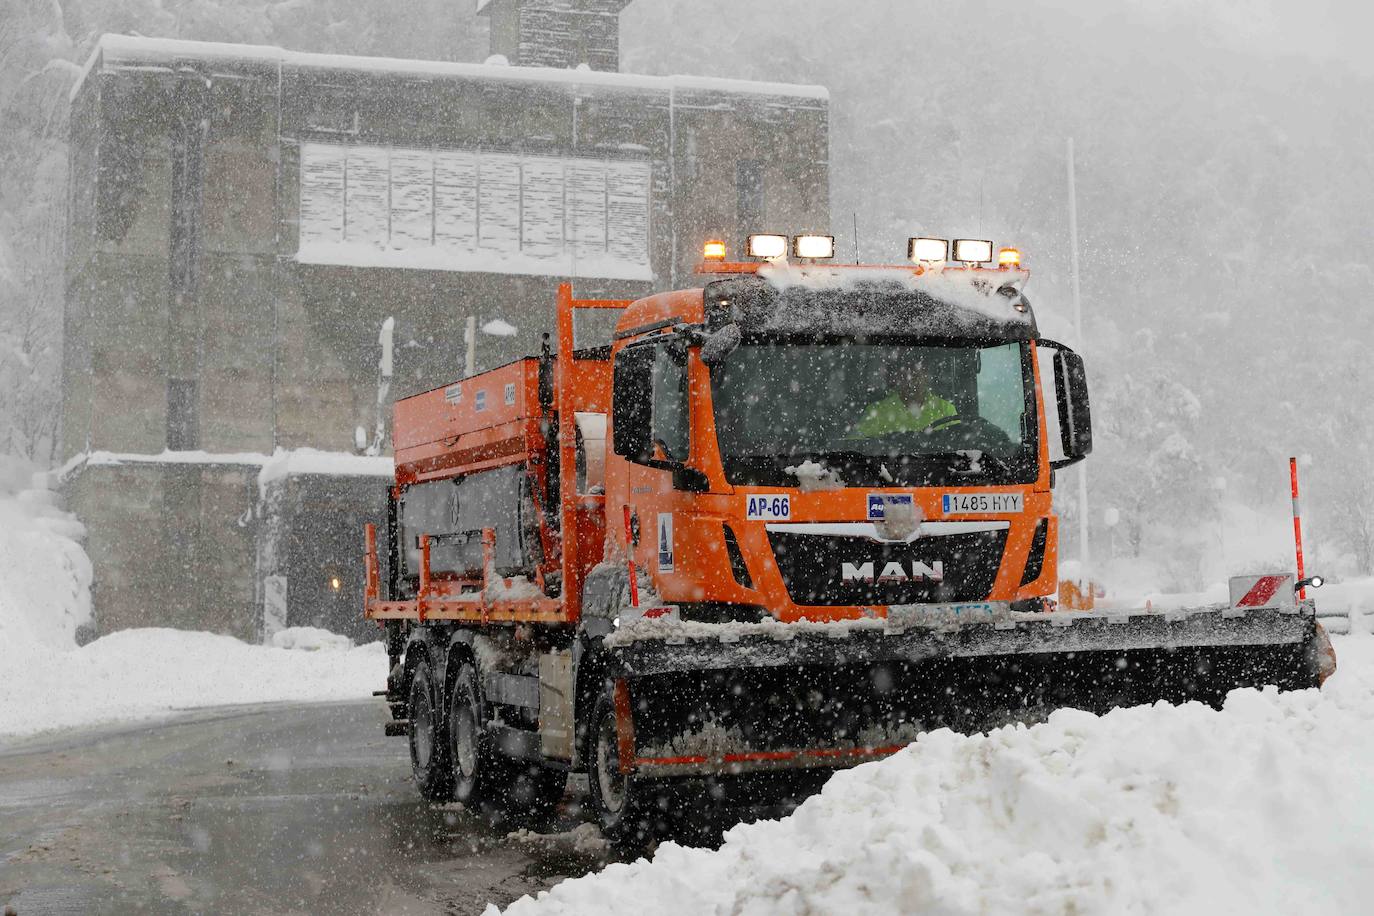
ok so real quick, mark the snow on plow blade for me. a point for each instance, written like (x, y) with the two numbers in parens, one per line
(735, 698)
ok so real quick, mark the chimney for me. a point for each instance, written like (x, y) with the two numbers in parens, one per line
(556, 33)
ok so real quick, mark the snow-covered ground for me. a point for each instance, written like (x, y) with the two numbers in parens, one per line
(1263, 807)
(47, 683)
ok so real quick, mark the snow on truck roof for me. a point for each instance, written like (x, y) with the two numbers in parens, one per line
(956, 302)
(111, 50)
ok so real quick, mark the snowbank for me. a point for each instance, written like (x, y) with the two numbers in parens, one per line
(1350, 601)
(46, 682)
(139, 674)
(1264, 807)
(45, 576)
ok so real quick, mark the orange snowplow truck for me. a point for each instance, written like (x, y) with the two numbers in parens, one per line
(778, 524)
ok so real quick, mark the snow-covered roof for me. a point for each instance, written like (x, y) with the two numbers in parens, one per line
(294, 462)
(281, 463)
(113, 49)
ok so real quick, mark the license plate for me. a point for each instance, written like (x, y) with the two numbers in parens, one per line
(982, 503)
(901, 616)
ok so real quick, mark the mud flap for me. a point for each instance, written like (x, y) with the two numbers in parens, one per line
(1323, 654)
(624, 726)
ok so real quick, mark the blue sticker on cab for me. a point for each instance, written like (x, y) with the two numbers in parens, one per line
(878, 503)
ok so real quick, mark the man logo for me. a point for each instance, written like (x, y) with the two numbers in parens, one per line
(893, 572)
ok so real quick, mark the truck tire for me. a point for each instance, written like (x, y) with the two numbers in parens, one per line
(429, 744)
(481, 776)
(621, 801)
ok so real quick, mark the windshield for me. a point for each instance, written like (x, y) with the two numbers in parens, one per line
(890, 413)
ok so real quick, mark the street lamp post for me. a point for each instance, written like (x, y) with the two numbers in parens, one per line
(1083, 547)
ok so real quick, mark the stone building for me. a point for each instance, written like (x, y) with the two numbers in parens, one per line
(244, 219)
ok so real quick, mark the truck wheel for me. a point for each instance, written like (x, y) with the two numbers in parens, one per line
(428, 737)
(481, 776)
(618, 798)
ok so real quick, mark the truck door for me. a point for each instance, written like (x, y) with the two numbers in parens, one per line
(652, 497)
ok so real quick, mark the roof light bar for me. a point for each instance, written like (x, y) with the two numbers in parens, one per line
(927, 250)
(813, 246)
(713, 250)
(767, 246)
(973, 251)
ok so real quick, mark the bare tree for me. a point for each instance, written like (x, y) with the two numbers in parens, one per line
(34, 80)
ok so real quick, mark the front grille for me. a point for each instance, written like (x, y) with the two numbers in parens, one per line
(1035, 560)
(738, 567)
(813, 568)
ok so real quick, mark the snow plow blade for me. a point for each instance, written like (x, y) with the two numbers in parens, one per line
(736, 698)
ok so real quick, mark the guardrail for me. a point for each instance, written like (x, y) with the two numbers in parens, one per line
(1335, 621)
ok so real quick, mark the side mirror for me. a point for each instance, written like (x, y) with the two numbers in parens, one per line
(1075, 417)
(716, 346)
(632, 403)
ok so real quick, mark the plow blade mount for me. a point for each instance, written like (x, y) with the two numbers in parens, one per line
(792, 696)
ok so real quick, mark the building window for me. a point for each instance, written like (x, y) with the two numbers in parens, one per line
(443, 209)
(182, 427)
(749, 189)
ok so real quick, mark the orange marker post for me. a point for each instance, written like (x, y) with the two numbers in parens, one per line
(1297, 524)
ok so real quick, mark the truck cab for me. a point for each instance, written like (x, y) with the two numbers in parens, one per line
(825, 443)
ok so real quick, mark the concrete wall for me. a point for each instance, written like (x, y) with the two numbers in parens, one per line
(171, 546)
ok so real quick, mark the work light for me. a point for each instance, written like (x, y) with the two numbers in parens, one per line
(927, 249)
(813, 246)
(768, 246)
(973, 251)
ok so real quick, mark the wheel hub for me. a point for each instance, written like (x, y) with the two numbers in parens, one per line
(422, 720)
(465, 742)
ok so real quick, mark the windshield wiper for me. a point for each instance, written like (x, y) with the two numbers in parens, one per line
(860, 468)
(977, 459)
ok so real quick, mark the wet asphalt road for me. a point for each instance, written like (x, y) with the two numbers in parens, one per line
(285, 809)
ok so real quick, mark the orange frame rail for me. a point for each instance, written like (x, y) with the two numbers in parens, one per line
(573, 566)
